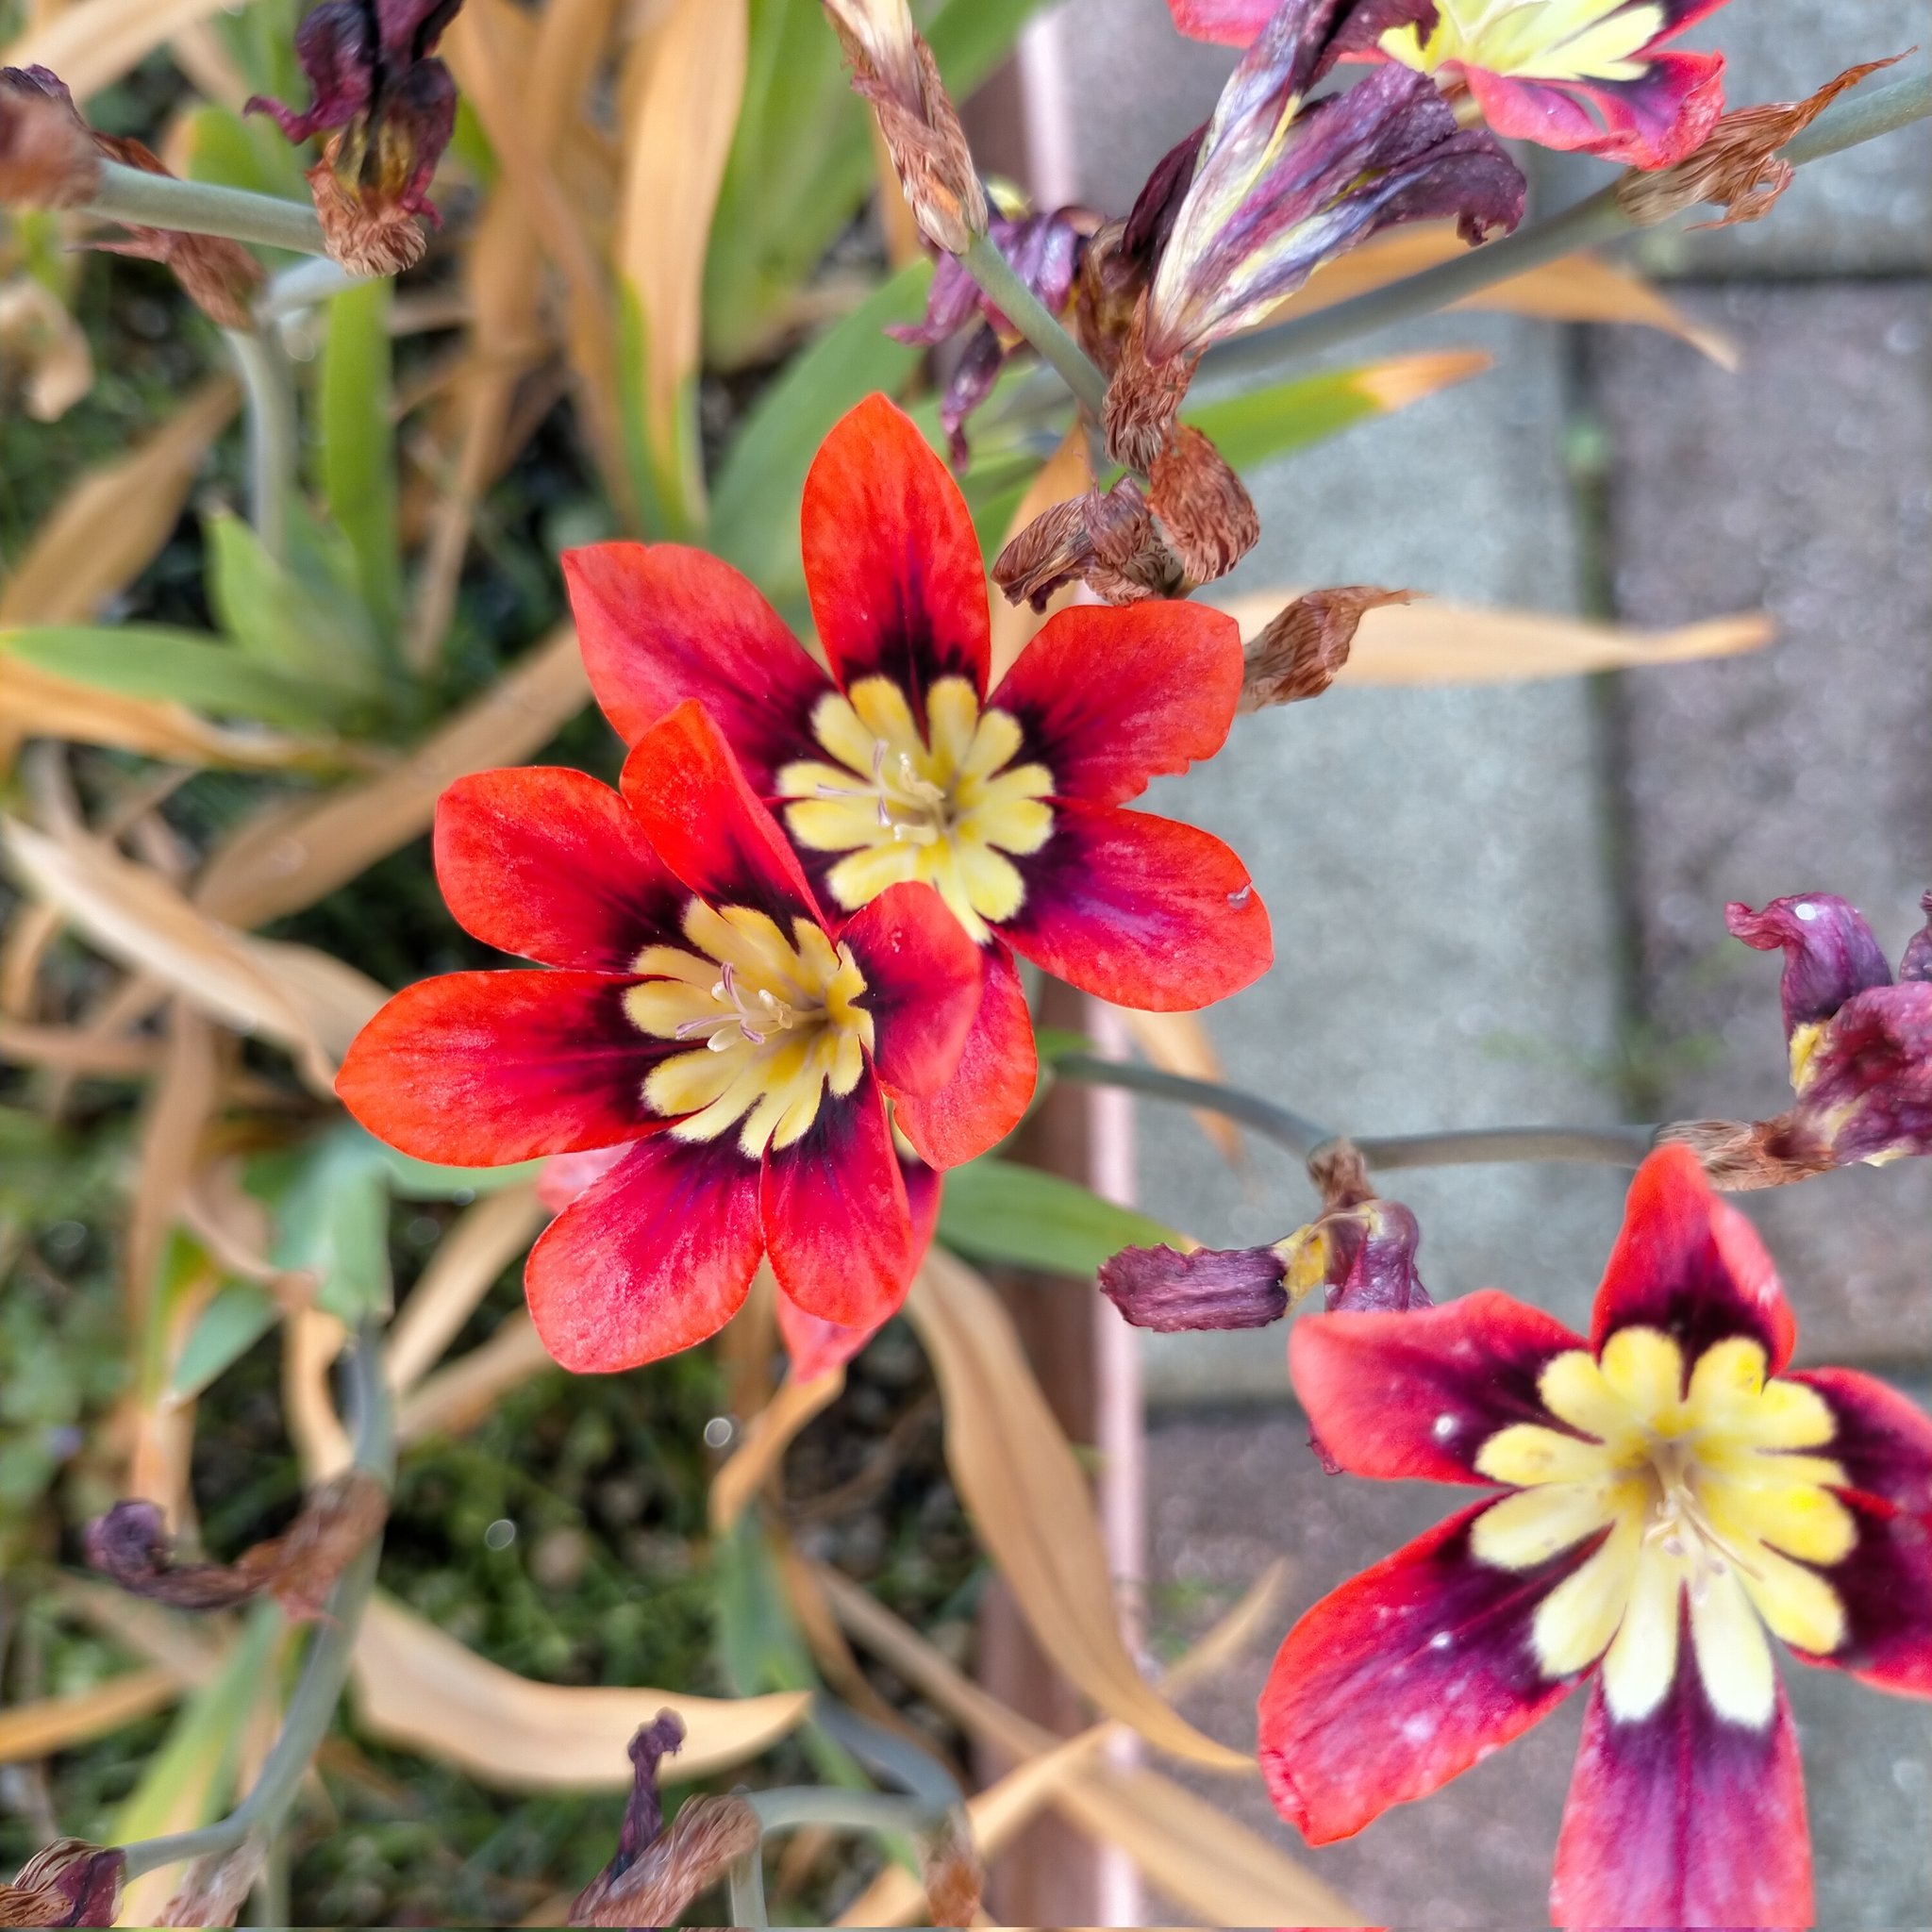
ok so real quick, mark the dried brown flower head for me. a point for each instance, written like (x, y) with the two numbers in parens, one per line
(48, 157)
(1303, 647)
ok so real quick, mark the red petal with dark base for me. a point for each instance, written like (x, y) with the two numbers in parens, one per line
(551, 864)
(660, 624)
(1140, 910)
(655, 1258)
(922, 985)
(1883, 1442)
(1886, 1588)
(1684, 1819)
(838, 1225)
(1690, 1265)
(1649, 122)
(992, 1085)
(1368, 1706)
(1416, 1395)
(691, 797)
(1110, 699)
(897, 586)
(479, 1069)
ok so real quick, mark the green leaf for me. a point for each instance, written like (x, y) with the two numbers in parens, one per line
(663, 481)
(1263, 424)
(997, 1210)
(424, 1180)
(304, 617)
(1056, 1042)
(755, 504)
(331, 1211)
(231, 1325)
(233, 152)
(358, 445)
(180, 666)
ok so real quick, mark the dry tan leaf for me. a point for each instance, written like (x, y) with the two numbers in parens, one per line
(682, 110)
(34, 703)
(476, 1248)
(459, 1396)
(1066, 475)
(311, 1342)
(1578, 287)
(178, 1109)
(110, 525)
(766, 1437)
(189, 1651)
(47, 1725)
(1433, 643)
(1396, 381)
(72, 1051)
(423, 1690)
(51, 362)
(287, 859)
(304, 1001)
(94, 44)
(1031, 1506)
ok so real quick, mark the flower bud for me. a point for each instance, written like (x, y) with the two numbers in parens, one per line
(1302, 648)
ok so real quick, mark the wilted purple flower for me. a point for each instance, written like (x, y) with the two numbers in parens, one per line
(68, 1883)
(391, 108)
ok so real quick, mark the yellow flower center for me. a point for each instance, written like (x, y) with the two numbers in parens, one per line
(1704, 1489)
(1532, 39)
(945, 809)
(773, 1022)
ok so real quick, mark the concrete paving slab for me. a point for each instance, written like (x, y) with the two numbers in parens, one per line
(1805, 485)
(1230, 1493)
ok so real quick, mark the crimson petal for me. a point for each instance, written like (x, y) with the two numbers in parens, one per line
(1683, 1818)
(654, 1257)
(1403, 1678)
(922, 985)
(993, 1086)
(551, 864)
(480, 1069)
(1881, 1439)
(1110, 699)
(1141, 911)
(1690, 1264)
(1415, 1396)
(660, 624)
(838, 1224)
(1651, 122)
(892, 563)
(691, 797)
(1885, 1586)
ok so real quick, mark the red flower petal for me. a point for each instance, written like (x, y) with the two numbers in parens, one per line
(1110, 698)
(891, 561)
(479, 1069)
(660, 624)
(922, 985)
(1885, 1586)
(1416, 1395)
(816, 1346)
(551, 864)
(1690, 1264)
(656, 1257)
(566, 1175)
(1233, 23)
(691, 797)
(1684, 1819)
(1882, 1441)
(1652, 122)
(1403, 1678)
(1140, 910)
(993, 1086)
(838, 1225)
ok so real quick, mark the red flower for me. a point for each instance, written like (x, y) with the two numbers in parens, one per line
(900, 767)
(702, 1008)
(1672, 1498)
(1592, 75)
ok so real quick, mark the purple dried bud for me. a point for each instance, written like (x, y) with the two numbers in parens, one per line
(68, 1883)
(1917, 963)
(1361, 1258)
(1211, 1288)
(1829, 954)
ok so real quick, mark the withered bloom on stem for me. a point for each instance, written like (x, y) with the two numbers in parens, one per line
(1302, 648)
(1108, 539)
(48, 157)
(68, 1883)
(656, 1874)
(893, 69)
(390, 107)
(298, 1569)
(1861, 1049)
(1044, 251)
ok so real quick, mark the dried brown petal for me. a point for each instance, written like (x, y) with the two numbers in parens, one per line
(1202, 507)
(1143, 399)
(47, 158)
(368, 236)
(1302, 649)
(1736, 166)
(893, 69)
(1743, 1156)
(1210, 1287)
(68, 1883)
(1107, 539)
(213, 1890)
(952, 1873)
(298, 1567)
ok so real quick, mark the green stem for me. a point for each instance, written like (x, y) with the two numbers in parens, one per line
(1620, 1146)
(1859, 117)
(312, 1707)
(748, 1889)
(273, 433)
(984, 262)
(885, 1811)
(202, 207)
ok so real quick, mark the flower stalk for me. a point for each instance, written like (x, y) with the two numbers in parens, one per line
(203, 208)
(273, 436)
(984, 262)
